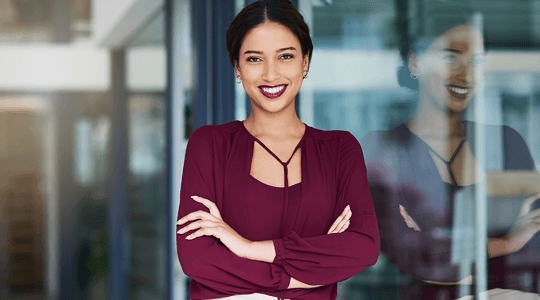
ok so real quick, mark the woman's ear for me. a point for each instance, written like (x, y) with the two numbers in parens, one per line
(412, 63)
(305, 63)
(237, 69)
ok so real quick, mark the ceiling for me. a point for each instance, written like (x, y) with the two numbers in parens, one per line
(507, 23)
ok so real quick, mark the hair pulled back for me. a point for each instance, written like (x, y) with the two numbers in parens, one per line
(278, 11)
(413, 38)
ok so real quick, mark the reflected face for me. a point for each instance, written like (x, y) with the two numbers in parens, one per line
(451, 69)
(271, 67)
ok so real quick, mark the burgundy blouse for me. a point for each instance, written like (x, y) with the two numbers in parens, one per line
(217, 167)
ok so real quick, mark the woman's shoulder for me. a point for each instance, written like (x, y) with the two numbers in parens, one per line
(331, 135)
(207, 131)
(226, 128)
(508, 133)
(212, 136)
(385, 138)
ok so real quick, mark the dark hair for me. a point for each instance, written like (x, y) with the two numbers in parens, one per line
(279, 11)
(413, 38)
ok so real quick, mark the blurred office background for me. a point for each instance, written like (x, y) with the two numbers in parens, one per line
(99, 97)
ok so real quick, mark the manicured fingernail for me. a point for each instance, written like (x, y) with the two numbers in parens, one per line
(179, 221)
(178, 231)
(193, 197)
(188, 237)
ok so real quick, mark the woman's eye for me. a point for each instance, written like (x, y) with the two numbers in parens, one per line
(450, 58)
(477, 61)
(253, 59)
(287, 56)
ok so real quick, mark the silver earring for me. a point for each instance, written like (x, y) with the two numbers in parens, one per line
(413, 76)
(306, 76)
(238, 80)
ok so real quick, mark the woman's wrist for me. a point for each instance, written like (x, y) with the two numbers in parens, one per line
(260, 251)
(500, 246)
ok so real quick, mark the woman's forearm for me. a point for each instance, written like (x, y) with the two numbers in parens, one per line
(260, 251)
(265, 251)
(466, 280)
(496, 247)
(500, 246)
(295, 284)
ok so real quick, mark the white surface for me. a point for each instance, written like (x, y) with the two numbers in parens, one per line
(146, 69)
(114, 22)
(34, 67)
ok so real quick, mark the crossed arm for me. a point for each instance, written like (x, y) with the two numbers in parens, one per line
(211, 224)
(522, 231)
(219, 260)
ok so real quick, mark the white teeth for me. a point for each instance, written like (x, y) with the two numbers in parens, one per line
(273, 90)
(458, 90)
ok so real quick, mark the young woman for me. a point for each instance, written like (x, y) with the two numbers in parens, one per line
(271, 207)
(423, 175)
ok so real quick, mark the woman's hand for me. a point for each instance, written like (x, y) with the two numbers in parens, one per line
(342, 222)
(211, 224)
(525, 227)
(412, 224)
(408, 220)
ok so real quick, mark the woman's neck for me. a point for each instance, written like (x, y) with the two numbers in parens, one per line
(277, 125)
(428, 121)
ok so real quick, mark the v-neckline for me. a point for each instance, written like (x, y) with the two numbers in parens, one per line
(286, 186)
(433, 165)
(298, 145)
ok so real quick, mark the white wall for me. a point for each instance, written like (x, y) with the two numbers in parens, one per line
(49, 67)
(114, 22)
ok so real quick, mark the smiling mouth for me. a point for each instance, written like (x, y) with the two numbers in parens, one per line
(272, 91)
(458, 92)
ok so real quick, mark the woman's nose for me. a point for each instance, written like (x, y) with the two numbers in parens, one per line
(271, 72)
(465, 72)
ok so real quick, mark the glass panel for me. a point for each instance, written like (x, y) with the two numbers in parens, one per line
(146, 198)
(84, 201)
(474, 84)
(34, 205)
(146, 207)
(55, 114)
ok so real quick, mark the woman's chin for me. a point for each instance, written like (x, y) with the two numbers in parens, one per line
(274, 105)
(457, 106)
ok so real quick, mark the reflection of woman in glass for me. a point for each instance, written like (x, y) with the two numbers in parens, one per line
(423, 175)
(269, 192)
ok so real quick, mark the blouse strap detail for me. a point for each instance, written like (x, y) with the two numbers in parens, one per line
(285, 177)
(449, 162)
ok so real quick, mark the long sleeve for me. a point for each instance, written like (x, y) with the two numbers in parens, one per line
(205, 259)
(326, 259)
(425, 254)
(422, 254)
(516, 152)
(516, 157)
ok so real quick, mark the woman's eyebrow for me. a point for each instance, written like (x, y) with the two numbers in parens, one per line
(285, 49)
(451, 50)
(253, 51)
(260, 52)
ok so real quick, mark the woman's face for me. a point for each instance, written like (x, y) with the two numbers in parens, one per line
(451, 69)
(271, 66)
